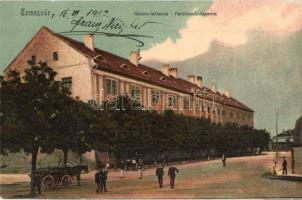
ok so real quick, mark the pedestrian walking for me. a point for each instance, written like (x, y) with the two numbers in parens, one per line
(141, 168)
(36, 180)
(223, 160)
(97, 180)
(103, 179)
(274, 167)
(107, 167)
(172, 173)
(134, 165)
(128, 164)
(284, 166)
(78, 177)
(122, 167)
(160, 175)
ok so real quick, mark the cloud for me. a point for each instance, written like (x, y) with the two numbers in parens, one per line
(235, 19)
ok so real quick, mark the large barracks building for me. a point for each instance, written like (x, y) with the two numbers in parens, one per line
(94, 74)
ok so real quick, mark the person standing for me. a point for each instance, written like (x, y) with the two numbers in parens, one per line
(107, 168)
(274, 167)
(223, 160)
(284, 166)
(122, 167)
(160, 175)
(78, 177)
(97, 179)
(103, 179)
(141, 168)
(172, 173)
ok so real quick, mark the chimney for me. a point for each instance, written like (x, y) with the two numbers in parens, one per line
(165, 69)
(192, 78)
(173, 72)
(134, 57)
(89, 41)
(213, 87)
(199, 81)
(227, 93)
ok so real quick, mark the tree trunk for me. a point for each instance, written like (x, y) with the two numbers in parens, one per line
(81, 158)
(34, 158)
(65, 151)
(34, 155)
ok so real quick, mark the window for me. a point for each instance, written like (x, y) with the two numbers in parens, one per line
(111, 86)
(199, 104)
(146, 73)
(223, 113)
(67, 83)
(238, 115)
(218, 111)
(208, 109)
(171, 101)
(34, 59)
(214, 111)
(231, 114)
(135, 91)
(55, 56)
(155, 96)
(187, 103)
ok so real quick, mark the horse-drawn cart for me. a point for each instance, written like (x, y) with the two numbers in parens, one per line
(54, 176)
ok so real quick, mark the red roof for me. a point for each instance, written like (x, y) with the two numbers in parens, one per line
(119, 65)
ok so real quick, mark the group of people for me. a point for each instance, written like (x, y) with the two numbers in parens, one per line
(102, 174)
(136, 165)
(284, 166)
(171, 173)
(101, 179)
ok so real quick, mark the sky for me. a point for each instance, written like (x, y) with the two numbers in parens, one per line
(252, 47)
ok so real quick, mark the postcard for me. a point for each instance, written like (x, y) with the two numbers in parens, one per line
(151, 99)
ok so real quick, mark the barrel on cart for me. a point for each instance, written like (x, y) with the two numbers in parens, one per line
(54, 176)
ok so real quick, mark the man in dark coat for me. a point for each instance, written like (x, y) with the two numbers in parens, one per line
(172, 173)
(284, 166)
(97, 179)
(103, 177)
(160, 175)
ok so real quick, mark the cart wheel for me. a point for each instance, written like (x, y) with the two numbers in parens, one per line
(66, 180)
(48, 182)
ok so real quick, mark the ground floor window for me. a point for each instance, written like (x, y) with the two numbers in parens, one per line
(111, 87)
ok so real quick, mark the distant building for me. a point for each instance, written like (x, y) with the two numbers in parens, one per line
(283, 141)
(298, 132)
(297, 149)
(94, 74)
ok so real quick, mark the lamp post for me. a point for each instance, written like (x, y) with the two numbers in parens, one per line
(277, 137)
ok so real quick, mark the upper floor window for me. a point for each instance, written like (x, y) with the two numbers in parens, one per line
(55, 56)
(34, 59)
(187, 103)
(231, 114)
(223, 113)
(238, 115)
(171, 101)
(155, 96)
(199, 104)
(111, 86)
(218, 111)
(135, 91)
(67, 83)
